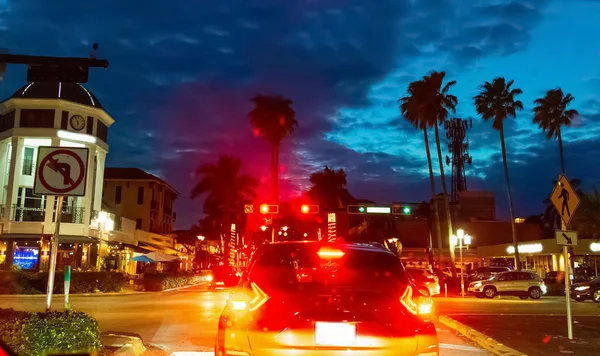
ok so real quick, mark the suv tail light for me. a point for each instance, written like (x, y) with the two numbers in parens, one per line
(416, 305)
(330, 253)
(248, 300)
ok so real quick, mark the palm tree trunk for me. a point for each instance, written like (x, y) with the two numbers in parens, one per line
(510, 202)
(446, 202)
(560, 149)
(436, 216)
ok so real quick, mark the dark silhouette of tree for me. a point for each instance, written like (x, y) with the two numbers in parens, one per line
(225, 189)
(551, 114)
(329, 189)
(587, 219)
(273, 119)
(496, 102)
(414, 109)
(441, 103)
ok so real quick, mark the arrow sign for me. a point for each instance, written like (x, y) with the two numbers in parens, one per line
(566, 238)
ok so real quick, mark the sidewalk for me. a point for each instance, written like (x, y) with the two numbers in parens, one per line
(539, 335)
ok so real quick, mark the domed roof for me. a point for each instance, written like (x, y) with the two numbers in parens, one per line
(58, 90)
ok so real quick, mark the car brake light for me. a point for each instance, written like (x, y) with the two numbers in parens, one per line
(248, 301)
(422, 305)
(330, 253)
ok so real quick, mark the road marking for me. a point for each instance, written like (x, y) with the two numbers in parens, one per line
(461, 347)
(192, 353)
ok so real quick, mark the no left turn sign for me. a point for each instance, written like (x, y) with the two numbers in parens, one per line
(61, 171)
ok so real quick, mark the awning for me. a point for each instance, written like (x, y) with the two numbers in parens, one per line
(159, 248)
(155, 257)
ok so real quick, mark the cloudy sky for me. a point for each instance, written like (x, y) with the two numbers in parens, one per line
(182, 72)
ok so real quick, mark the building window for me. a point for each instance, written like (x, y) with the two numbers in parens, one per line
(138, 224)
(102, 131)
(64, 121)
(90, 125)
(140, 198)
(118, 194)
(7, 121)
(27, 161)
(37, 118)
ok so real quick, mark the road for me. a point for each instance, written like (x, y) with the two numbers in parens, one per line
(186, 320)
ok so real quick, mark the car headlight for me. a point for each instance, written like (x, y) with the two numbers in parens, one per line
(477, 284)
(209, 278)
(582, 288)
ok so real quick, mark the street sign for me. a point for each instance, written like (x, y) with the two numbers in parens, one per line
(565, 199)
(248, 209)
(61, 171)
(566, 238)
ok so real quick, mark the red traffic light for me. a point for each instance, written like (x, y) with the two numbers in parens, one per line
(269, 209)
(309, 209)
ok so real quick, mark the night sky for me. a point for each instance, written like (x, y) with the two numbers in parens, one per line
(182, 72)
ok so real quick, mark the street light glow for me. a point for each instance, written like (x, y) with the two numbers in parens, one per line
(263, 228)
(201, 237)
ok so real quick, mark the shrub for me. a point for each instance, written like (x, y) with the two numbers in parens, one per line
(81, 282)
(32, 334)
(169, 280)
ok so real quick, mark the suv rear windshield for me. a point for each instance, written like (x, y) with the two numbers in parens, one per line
(289, 266)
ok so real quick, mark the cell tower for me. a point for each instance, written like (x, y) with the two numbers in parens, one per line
(456, 133)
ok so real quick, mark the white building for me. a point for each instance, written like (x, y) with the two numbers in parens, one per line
(49, 114)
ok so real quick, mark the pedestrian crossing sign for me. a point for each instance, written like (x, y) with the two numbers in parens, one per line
(565, 199)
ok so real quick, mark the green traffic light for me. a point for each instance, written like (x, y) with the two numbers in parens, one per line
(406, 210)
(361, 209)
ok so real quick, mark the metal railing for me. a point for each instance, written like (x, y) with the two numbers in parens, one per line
(71, 215)
(23, 213)
(2, 211)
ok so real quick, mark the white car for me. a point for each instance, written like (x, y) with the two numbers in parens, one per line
(524, 284)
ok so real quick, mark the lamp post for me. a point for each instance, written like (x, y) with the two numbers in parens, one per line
(105, 224)
(460, 239)
(202, 238)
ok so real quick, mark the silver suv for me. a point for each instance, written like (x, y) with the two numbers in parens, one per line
(524, 284)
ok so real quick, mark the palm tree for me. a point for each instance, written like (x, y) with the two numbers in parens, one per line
(496, 101)
(551, 113)
(225, 188)
(412, 108)
(440, 103)
(273, 119)
(587, 219)
(329, 188)
(551, 219)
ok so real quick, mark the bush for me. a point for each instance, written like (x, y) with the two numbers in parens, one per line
(81, 282)
(169, 280)
(32, 334)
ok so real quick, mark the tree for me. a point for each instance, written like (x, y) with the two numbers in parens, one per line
(273, 119)
(551, 219)
(412, 108)
(496, 101)
(329, 188)
(587, 219)
(439, 102)
(551, 113)
(225, 189)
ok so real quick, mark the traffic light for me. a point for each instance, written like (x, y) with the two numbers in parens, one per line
(401, 210)
(357, 209)
(309, 209)
(269, 209)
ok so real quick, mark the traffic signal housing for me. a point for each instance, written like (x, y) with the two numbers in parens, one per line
(269, 209)
(309, 209)
(357, 209)
(401, 210)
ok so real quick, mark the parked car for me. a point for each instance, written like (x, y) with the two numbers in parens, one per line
(483, 273)
(426, 282)
(308, 298)
(223, 277)
(586, 290)
(524, 284)
(555, 277)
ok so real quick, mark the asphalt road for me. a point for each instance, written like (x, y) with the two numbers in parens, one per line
(513, 306)
(183, 320)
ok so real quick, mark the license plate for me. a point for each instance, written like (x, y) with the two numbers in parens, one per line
(335, 334)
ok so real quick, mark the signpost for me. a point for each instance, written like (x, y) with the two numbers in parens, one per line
(566, 201)
(67, 286)
(60, 172)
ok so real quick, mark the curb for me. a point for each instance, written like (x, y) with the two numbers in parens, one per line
(99, 294)
(480, 339)
(128, 345)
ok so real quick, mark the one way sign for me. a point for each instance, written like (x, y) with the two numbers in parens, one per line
(566, 238)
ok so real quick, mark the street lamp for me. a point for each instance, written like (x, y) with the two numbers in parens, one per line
(263, 228)
(202, 238)
(461, 239)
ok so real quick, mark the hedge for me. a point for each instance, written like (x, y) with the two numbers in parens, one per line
(81, 282)
(32, 334)
(168, 280)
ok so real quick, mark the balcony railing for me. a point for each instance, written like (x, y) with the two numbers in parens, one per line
(154, 205)
(71, 215)
(168, 211)
(2, 211)
(23, 213)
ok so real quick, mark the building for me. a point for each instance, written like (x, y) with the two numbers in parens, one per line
(49, 114)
